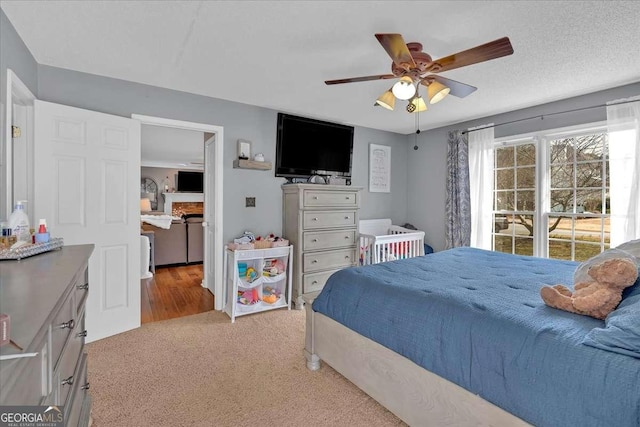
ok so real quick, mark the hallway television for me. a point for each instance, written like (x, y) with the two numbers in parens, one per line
(190, 182)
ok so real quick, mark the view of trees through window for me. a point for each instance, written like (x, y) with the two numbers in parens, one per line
(567, 192)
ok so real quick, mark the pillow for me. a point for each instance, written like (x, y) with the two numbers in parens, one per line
(633, 247)
(621, 333)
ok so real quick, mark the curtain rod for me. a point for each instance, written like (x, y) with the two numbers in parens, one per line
(542, 116)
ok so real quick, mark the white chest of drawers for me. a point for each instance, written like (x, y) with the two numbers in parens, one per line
(321, 222)
(45, 296)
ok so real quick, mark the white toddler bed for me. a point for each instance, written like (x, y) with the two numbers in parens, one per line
(381, 241)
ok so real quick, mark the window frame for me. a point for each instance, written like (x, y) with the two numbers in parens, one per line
(542, 212)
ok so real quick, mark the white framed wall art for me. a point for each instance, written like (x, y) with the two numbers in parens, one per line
(379, 168)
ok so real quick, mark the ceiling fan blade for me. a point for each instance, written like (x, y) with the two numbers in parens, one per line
(360, 79)
(397, 49)
(456, 88)
(492, 50)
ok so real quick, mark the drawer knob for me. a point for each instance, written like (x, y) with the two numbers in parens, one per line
(83, 287)
(85, 387)
(81, 334)
(314, 261)
(346, 237)
(315, 219)
(314, 240)
(68, 325)
(315, 282)
(67, 381)
(315, 197)
(347, 197)
(346, 217)
(347, 257)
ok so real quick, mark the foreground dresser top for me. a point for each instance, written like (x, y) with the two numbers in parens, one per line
(30, 288)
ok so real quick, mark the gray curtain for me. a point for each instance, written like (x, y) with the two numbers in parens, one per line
(458, 206)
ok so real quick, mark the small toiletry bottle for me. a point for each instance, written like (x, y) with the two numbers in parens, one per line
(19, 222)
(7, 238)
(42, 236)
(4, 235)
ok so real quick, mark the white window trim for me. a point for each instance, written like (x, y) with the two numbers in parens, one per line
(540, 139)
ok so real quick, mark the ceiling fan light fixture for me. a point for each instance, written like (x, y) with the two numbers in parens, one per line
(386, 100)
(416, 104)
(437, 91)
(404, 88)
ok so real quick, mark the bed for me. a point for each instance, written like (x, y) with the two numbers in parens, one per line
(381, 241)
(461, 337)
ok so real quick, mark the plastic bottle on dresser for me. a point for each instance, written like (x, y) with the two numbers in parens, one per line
(19, 222)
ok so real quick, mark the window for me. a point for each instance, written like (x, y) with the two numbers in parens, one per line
(551, 194)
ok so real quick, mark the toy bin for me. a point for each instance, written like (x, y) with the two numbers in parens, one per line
(249, 299)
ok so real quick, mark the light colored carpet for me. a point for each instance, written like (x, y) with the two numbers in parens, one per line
(202, 370)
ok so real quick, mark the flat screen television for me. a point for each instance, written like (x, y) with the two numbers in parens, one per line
(190, 182)
(307, 147)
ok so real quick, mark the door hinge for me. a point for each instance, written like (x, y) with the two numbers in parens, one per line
(16, 132)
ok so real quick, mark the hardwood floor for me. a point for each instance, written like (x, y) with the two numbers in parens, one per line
(174, 292)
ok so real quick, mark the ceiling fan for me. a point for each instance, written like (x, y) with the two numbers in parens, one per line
(413, 68)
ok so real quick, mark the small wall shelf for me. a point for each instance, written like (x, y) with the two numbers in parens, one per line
(251, 164)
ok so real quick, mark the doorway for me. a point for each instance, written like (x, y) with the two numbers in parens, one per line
(212, 140)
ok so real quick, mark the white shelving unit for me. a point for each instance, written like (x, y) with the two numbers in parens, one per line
(262, 286)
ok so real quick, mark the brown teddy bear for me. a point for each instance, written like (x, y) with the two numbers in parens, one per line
(597, 297)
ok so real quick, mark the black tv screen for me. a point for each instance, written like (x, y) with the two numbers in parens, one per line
(191, 182)
(307, 147)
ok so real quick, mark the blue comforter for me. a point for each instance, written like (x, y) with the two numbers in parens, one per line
(476, 318)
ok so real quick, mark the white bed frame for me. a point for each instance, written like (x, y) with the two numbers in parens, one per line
(415, 395)
(380, 241)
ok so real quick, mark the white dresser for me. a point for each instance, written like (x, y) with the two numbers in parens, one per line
(321, 222)
(45, 296)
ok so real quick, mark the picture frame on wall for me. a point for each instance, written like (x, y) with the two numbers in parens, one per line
(244, 149)
(379, 168)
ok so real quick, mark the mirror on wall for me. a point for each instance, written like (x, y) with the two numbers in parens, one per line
(149, 191)
(17, 168)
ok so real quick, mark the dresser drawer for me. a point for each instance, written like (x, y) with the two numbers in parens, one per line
(317, 261)
(81, 291)
(319, 198)
(65, 375)
(315, 282)
(328, 219)
(61, 327)
(73, 407)
(328, 239)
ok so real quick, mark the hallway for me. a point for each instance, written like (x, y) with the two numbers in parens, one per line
(174, 292)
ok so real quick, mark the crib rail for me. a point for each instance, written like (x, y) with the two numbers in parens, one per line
(400, 243)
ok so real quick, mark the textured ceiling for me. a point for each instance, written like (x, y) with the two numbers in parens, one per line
(278, 54)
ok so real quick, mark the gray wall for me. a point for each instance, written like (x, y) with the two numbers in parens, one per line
(14, 55)
(240, 121)
(428, 166)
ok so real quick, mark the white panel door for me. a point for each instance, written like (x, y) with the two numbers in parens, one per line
(87, 167)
